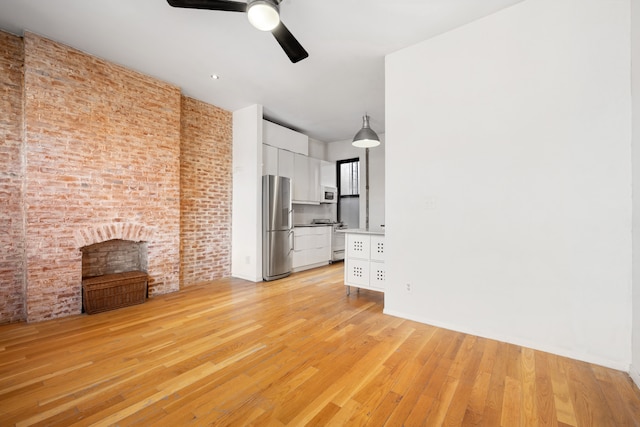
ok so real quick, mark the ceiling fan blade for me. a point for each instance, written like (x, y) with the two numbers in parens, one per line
(289, 44)
(226, 5)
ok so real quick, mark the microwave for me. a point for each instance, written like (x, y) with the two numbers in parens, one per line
(329, 195)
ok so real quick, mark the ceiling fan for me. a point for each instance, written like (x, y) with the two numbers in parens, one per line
(263, 14)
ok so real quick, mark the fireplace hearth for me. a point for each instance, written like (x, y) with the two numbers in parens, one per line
(112, 291)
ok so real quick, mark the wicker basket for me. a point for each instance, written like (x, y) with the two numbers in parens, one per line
(113, 291)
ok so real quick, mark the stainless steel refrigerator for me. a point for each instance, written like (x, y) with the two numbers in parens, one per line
(277, 227)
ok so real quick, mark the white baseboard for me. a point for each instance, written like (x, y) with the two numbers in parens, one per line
(634, 373)
(246, 277)
(309, 267)
(518, 341)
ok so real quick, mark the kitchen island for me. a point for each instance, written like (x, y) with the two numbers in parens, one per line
(364, 259)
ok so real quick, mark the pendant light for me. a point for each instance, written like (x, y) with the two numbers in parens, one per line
(366, 137)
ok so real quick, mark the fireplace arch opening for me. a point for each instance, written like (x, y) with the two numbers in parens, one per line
(113, 256)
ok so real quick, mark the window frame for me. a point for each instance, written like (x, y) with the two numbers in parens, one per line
(339, 163)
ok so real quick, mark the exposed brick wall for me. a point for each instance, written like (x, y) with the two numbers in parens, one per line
(205, 165)
(97, 150)
(102, 148)
(11, 178)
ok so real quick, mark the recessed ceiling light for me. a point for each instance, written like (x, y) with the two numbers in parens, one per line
(215, 76)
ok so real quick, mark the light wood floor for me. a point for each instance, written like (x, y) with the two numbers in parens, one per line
(295, 352)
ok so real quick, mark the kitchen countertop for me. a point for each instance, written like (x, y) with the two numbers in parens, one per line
(371, 231)
(313, 225)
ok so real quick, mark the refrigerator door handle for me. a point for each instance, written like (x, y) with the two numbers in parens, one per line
(293, 240)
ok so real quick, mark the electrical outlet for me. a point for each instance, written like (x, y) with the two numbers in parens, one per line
(408, 287)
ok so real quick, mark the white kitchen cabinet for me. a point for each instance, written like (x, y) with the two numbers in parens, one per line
(314, 179)
(311, 247)
(300, 178)
(285, 163)
(364, 262)
(284, 138)
(269, 160)
(358, 246)
(306, 179)
(276, 161)
(377, 248)
(304, 172)
(357, 272)
(328, 174)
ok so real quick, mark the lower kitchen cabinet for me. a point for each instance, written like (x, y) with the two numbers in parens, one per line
(311, 247)
(364, 261)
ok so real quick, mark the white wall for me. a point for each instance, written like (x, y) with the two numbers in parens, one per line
(246, 217)
(635, 76)
(317, 149)
(342, 150)
(508, 179)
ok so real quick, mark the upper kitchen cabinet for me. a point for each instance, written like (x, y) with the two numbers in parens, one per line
(276, 161)
(306, 180)
(285, 163)
(328, 174)
(284, 138)
(269, 160)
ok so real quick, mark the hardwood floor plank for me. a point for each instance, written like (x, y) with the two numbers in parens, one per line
(545, 402)
(529, 413)
(375, 398)
(437, 390)
(380, 415)
(565, 411)
(465, 371)
(492, 412)
(473, 412)
(585, 390)
(480, 388)
(511, 402)
(342, 417)
(293, 352)
(443, 401)
(428, 359)
(323, 416)
(628, 392)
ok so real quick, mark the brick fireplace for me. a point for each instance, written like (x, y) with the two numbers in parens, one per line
(96, 153)
(102, 149)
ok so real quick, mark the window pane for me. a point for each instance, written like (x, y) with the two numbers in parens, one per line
(350, 179)
(350, 211)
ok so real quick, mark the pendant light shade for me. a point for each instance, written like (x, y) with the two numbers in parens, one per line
(366, 137)
(263, 14)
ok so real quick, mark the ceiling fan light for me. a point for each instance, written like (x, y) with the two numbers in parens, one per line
(263, 15)
(366, 137)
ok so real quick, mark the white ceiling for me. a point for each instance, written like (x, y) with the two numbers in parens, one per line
(323, 96)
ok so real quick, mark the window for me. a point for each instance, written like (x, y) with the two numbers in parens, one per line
(349, 192)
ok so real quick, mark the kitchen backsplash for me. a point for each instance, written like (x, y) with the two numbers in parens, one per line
(304, 214)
